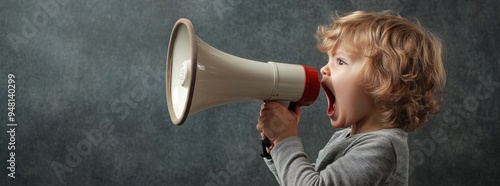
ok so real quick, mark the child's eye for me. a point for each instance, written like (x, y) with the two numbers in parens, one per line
(342, 62)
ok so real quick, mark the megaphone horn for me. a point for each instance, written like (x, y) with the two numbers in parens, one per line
(199, 76)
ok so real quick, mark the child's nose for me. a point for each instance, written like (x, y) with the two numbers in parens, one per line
(325, 71)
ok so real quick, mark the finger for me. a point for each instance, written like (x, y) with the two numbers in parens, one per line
(262, 135)
(270, 105)
(268, 133)
(259, 127)
(297, 111)
(262, 113)
(268, 149)
(265, 115)
(262, 119)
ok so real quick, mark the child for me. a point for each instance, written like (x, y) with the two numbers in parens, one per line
(381, 79)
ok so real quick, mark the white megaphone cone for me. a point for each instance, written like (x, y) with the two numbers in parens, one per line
(199, 76)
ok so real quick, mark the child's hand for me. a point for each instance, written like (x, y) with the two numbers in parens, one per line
(276, 122)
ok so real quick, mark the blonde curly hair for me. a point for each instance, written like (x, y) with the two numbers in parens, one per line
(404, 72)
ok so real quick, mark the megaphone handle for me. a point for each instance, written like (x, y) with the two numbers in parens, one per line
(266, 142)
(291, 106)
(288, 104)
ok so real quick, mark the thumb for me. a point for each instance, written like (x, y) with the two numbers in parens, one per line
(297, 112)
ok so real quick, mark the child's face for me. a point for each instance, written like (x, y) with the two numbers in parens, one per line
(348, 104)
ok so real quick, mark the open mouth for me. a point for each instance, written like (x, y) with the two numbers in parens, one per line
(331, 100)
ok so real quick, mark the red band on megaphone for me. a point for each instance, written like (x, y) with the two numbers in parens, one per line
(311, 87)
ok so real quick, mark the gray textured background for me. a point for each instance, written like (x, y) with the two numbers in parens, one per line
(90, 100)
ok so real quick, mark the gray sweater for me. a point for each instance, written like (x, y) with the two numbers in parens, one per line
(374, 158)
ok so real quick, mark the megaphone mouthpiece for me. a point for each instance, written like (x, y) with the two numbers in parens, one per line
(311, 87)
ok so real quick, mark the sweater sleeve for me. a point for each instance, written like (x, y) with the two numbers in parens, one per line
(272, 168)
(370, 161)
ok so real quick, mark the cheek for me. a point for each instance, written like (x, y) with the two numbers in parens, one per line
(354, 99)
(363, 102)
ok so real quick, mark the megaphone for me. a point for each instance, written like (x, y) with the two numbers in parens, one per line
(198, 77)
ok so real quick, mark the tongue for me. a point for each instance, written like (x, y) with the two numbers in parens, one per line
(331, 108)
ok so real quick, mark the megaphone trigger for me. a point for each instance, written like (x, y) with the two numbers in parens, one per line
(265, 144)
